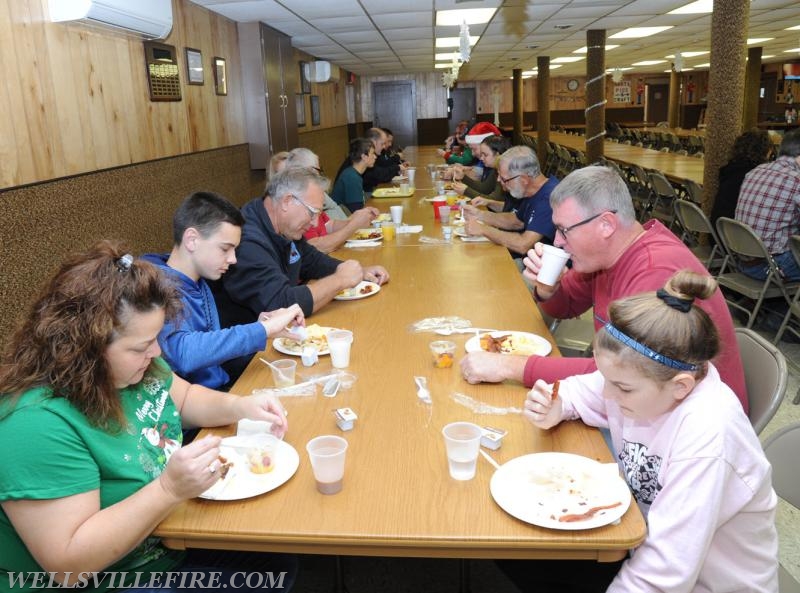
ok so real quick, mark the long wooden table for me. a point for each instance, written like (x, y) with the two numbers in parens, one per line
(398, 499)
(675, 166)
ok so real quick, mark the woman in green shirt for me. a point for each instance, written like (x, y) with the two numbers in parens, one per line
(82, 379)
(348, 189)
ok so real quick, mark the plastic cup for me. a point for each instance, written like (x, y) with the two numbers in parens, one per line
(443, 352)
(440, 187)
(447, 233)
(404, 188)
(436, 205)
(412, 173)
(444, 214)
(431, 167)
(283, 372)
(327, 454)
(452, 198)
(553, 261)
(389, 230)
(397, 214)
(339, 342)
(462, 441)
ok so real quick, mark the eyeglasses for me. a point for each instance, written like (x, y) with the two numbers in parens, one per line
(510, 179)
(312, 212)
(565, 230)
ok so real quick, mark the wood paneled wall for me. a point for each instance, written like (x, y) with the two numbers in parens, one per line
(76, 98)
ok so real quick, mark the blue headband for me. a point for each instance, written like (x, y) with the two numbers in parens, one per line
(647, 351)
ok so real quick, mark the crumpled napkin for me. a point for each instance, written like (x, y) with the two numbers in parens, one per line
(409, 228)
(350, 245)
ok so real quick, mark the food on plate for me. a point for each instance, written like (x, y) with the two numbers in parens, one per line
(512, 343)
(359, 290)
(572, 517)
(224, 466)
(554, 393)
(384, 217)
(261, 460)
(315, 336)
(366, 234)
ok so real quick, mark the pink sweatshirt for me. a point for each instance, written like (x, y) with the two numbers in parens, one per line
(703, 485)
(645, 266)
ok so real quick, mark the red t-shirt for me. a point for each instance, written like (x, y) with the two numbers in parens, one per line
(645, 266)
(319, 230)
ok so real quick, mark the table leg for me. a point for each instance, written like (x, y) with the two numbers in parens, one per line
(463, 575)
(339, 586)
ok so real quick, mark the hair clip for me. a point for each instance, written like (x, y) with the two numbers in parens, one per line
(124, 263)
(645, 350)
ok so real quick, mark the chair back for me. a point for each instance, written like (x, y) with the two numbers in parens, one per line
(693, 219)
(741, 240)
(765, 375)
(694, 191)
(781, 449)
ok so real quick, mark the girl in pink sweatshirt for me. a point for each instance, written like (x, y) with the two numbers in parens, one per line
(683, 443)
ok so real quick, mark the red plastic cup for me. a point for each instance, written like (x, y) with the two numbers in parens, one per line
(436, 204)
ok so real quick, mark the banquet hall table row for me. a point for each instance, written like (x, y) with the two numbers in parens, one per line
(398, 498)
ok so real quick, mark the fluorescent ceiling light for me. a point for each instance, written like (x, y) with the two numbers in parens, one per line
(455, 41)
(649, 62)
(767, 57)
(697, 7)
(682, 70)
(611, 70)
(688, 54)
(448, 56)
(584, 49)
(567, 60)
(795, 28)
(533, 72)
(703, 65)
(473, 16)
(789, 51)
(759, 40)
(447, 65)
(639, 32)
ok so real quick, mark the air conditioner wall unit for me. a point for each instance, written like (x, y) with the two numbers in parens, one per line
(321, 71)
(148, 19)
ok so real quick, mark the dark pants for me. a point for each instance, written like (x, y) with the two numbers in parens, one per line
(560, 576)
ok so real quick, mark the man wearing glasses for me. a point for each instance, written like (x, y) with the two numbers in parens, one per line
(613, 256)
(275, 263)
(525, 217)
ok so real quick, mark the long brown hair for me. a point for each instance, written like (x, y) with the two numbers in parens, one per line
(84, 306)
(689, 336)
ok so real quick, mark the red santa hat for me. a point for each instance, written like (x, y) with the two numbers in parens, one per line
(480, 131)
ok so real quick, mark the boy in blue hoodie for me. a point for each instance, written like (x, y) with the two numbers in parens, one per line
(206, 229)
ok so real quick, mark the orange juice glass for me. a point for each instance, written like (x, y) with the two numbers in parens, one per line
(388, 229)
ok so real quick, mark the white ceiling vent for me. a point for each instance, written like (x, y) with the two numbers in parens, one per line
(149, 19)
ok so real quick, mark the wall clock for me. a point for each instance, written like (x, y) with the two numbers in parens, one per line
(572, 84)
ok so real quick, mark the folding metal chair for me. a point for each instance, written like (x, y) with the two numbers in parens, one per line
(663, 197)
(765, 375)
(794, 306)
(697, 228)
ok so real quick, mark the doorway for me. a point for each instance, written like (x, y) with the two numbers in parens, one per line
(394, 106)
(463, 106)
(656, 103)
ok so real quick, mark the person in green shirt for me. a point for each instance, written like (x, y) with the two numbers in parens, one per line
(348, 189)
(90, 423)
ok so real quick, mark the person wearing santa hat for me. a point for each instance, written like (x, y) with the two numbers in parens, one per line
(525, 217)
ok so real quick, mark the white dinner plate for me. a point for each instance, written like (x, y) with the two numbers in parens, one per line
(462, 234)
(526, 343)
(295, 348)
(544, 488)
(366, 232)
(353, 294)
(242, 483)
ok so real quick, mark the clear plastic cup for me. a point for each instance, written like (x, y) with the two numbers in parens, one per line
(283, 372)
(339, 342)
(389, 229)
(327, 454)
(444, 214)
(462, 441)
(397, 214)
(412, 173)
(443, 352)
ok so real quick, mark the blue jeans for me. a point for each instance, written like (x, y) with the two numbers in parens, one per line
(242, 572)
(786, 263)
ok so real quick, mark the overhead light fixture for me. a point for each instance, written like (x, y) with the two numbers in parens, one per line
(567, 60)
(455, 41)
(703, 65)
(759, 40)
(697, 7)
(639, 32)
(443, 65)
(612, 70)
(649, 62)
(472, 16)
(584, 49)
(688, 54)
(445, 56)
(795, 28)
(790, 51)
(767, 57)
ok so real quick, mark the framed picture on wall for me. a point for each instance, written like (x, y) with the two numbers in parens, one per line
(194, 66)
(300, 103)
(314, 110)
(220, 76)
(305, 84)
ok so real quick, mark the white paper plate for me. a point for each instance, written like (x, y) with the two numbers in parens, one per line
(241, 482)
(535, 344)
(354, 294)
(286, 346)
(462, 234)
(541, 488)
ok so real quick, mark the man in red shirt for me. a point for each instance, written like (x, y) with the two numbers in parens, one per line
(613, 256)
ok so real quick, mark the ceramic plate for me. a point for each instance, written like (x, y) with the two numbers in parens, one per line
(295, 348)
(362, 290)
(241, 482)
(560, 491)
(366, 236)
(521, 343)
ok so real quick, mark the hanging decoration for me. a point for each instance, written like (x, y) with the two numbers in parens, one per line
(677, 64)
(616, 75)
(464, 42)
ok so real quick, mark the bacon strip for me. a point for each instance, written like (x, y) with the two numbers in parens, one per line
(554, 394)
(587, 515)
